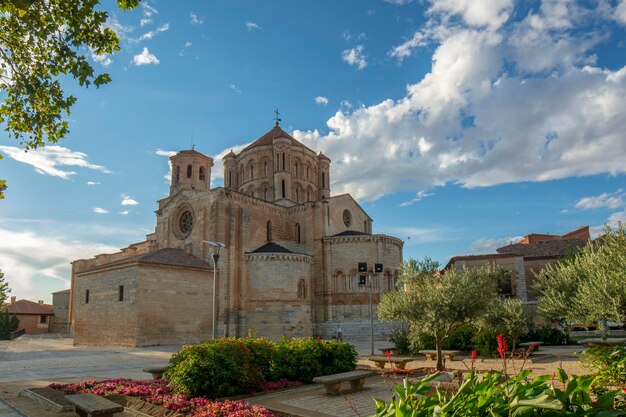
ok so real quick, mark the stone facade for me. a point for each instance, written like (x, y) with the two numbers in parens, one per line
(288, 265)
(61, 309)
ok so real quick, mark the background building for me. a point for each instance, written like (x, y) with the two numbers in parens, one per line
(525, 258)
(34, 317)
(289, 265)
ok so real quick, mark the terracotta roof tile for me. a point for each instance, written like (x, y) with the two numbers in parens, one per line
(556, 248)
(29, 307)
(269, 137)
(167, 256)
(351, 233)
(271, 247)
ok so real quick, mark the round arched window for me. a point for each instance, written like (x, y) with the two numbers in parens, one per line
(186, 222)
(347, 217)
(182, 222)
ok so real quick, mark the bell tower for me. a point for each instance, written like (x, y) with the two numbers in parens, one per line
(191, 170)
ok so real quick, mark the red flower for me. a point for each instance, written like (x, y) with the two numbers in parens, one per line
(388, 354)
(502, 346)
(473, 355)
(624, 390)
(319, 337)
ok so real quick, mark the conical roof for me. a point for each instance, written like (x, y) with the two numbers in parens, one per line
(268, 138)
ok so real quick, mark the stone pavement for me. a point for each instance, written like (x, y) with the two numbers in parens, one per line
(7, 410)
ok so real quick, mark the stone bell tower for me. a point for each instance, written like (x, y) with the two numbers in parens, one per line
(190, 170)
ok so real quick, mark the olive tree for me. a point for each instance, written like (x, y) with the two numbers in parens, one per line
(508, 316)
(436, 303)
(591, 287)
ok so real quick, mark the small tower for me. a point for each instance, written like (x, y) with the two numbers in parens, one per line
(324, 176)
(191, 170)
(230, 170)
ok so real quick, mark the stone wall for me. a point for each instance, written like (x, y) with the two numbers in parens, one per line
(174, 305)
(61, 309)
(104, 320)
(32, 325)
(358, 331)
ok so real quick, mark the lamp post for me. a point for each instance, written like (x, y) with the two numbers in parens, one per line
(216, 256)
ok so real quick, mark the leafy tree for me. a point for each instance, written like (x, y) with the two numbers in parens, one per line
(42, 42)
(436, 304)
(4, 290)
(8, 323)
(591, 287)
(508, 316)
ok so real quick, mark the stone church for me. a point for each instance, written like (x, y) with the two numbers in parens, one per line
(288, 265)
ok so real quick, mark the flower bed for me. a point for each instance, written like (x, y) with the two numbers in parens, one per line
(160, 393)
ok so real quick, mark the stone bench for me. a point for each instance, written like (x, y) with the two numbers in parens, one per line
(399, 361)
(91, 405)
(527, 345)
(156, 372)
(332, 383)
(432, 354)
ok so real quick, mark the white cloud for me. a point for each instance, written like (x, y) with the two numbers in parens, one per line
(321, 100)
(252, 26)
(125, 212)
(195, 19)
(492, 13)
(50, 159)
(168, 154)
(127, 201)
(92, 183)
(417, 235)
(102, 59)
(145, 58)
(614, 220)
(418, 197)
(604, 200)
(100, 210)
(398, 2)
(235, 89)
(355, 56)
(145, 21)
(151, 34)
(29, 256)
(482, 115)
(187, 44)
(405, 49)
(620, 12)
(484, 246)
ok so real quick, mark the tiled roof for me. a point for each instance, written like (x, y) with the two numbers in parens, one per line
(29, 307)
(271, 247)
(556, 248)
(167, 256)
(351, 233)
(269, 137)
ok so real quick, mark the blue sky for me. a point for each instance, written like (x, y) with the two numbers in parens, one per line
(460, 124)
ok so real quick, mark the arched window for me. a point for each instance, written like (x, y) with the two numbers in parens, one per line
(297, 195)
(230, 178)
(365, 226)
(189, 171)
(177, 176)
(323, 180)
(308, 195)
(296, 170)
(201, 175)
(301, 290)
(265, 169)
(297, 232)
(283, 161)
(283, 187)
(251, 172)
(269, 231)
(277, 157)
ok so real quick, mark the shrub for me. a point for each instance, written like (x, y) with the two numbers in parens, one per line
(304, 359)
(400, 338)
(493, 394)
(422, 341)
(218, 368)
(485, 342)
(546, 334)
(609, 362)
(262, 350)
(461, 339)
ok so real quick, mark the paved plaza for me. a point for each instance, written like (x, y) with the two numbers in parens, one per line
(36, 361)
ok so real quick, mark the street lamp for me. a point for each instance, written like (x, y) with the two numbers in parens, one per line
(378, 268)
(216, 256)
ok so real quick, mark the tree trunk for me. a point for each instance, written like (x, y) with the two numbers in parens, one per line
(440, 362)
